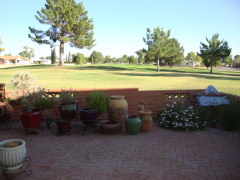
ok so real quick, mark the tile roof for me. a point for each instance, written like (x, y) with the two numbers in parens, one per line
(13, 58)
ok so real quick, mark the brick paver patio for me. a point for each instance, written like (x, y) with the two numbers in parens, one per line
(158, 154)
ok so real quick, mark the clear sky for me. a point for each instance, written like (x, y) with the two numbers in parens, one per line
(120, 25)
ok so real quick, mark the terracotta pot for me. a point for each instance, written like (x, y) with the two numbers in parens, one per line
(88, 116)
(117, 109)
(146, 119)
(110, 127)
(31, 120)
(68, 111)
(12, 154)
(133, 124)
(6, 110)
(63, 126)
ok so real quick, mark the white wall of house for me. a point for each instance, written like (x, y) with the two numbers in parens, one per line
(42, 61)
(189, 63)
(186, 63)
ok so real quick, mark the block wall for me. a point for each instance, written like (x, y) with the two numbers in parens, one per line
(154, 100)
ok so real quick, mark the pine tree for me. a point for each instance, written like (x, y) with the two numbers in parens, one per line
(158, 44)
(68, 23)
(51, 56)
(54, 56)
(215, 51)
(69, 57)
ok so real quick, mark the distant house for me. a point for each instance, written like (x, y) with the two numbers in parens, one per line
(14, 60)
(41, 61)
(189, 63)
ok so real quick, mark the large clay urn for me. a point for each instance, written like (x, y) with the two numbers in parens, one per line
(6, 109)
(146, 119)
(117, 109)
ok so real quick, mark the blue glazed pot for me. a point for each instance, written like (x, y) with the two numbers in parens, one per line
(133, 124)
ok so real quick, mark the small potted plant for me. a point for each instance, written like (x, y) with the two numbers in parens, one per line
(68, 110)
(97, 102)
(24, 84)
(69, 105)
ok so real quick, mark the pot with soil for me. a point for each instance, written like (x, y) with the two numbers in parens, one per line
(31, 119)
(110, 127)
(63, 126)
(12, 154)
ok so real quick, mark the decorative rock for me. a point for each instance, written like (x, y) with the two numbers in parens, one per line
(141, 106)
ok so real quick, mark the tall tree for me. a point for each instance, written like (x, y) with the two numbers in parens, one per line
(191, 56)
(158, 43)
(131, 59)
(51, 56)
(69, 57)
(175, 53)
(53, 59)
(94, 57)
(215, 50)
(140, 55)
(68, 23)
(125, 58)
(79, 59)
(107, 59)
(227, 60)
(149, 58)
(28, 53)
(1, 49)
(113, 59)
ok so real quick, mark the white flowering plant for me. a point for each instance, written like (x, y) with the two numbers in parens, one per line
(180, 117)
(25, 90)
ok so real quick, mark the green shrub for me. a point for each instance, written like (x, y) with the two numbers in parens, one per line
(42, 102)
(205, 113)
(180, 117)
(97, 100)
(230, 115)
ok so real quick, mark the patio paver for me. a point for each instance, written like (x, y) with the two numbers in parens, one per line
(158, 154)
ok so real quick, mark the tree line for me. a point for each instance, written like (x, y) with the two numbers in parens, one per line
(68, 23)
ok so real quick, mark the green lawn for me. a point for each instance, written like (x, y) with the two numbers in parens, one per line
(144, 77)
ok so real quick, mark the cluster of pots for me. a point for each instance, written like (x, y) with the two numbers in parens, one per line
(118, 118)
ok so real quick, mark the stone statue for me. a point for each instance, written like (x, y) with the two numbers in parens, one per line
(141, 106)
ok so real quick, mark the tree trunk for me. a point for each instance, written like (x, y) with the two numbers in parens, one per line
(61, 62)
(211, 65)
(158, 65)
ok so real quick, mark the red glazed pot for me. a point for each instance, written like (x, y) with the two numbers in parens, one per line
(31, 120)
